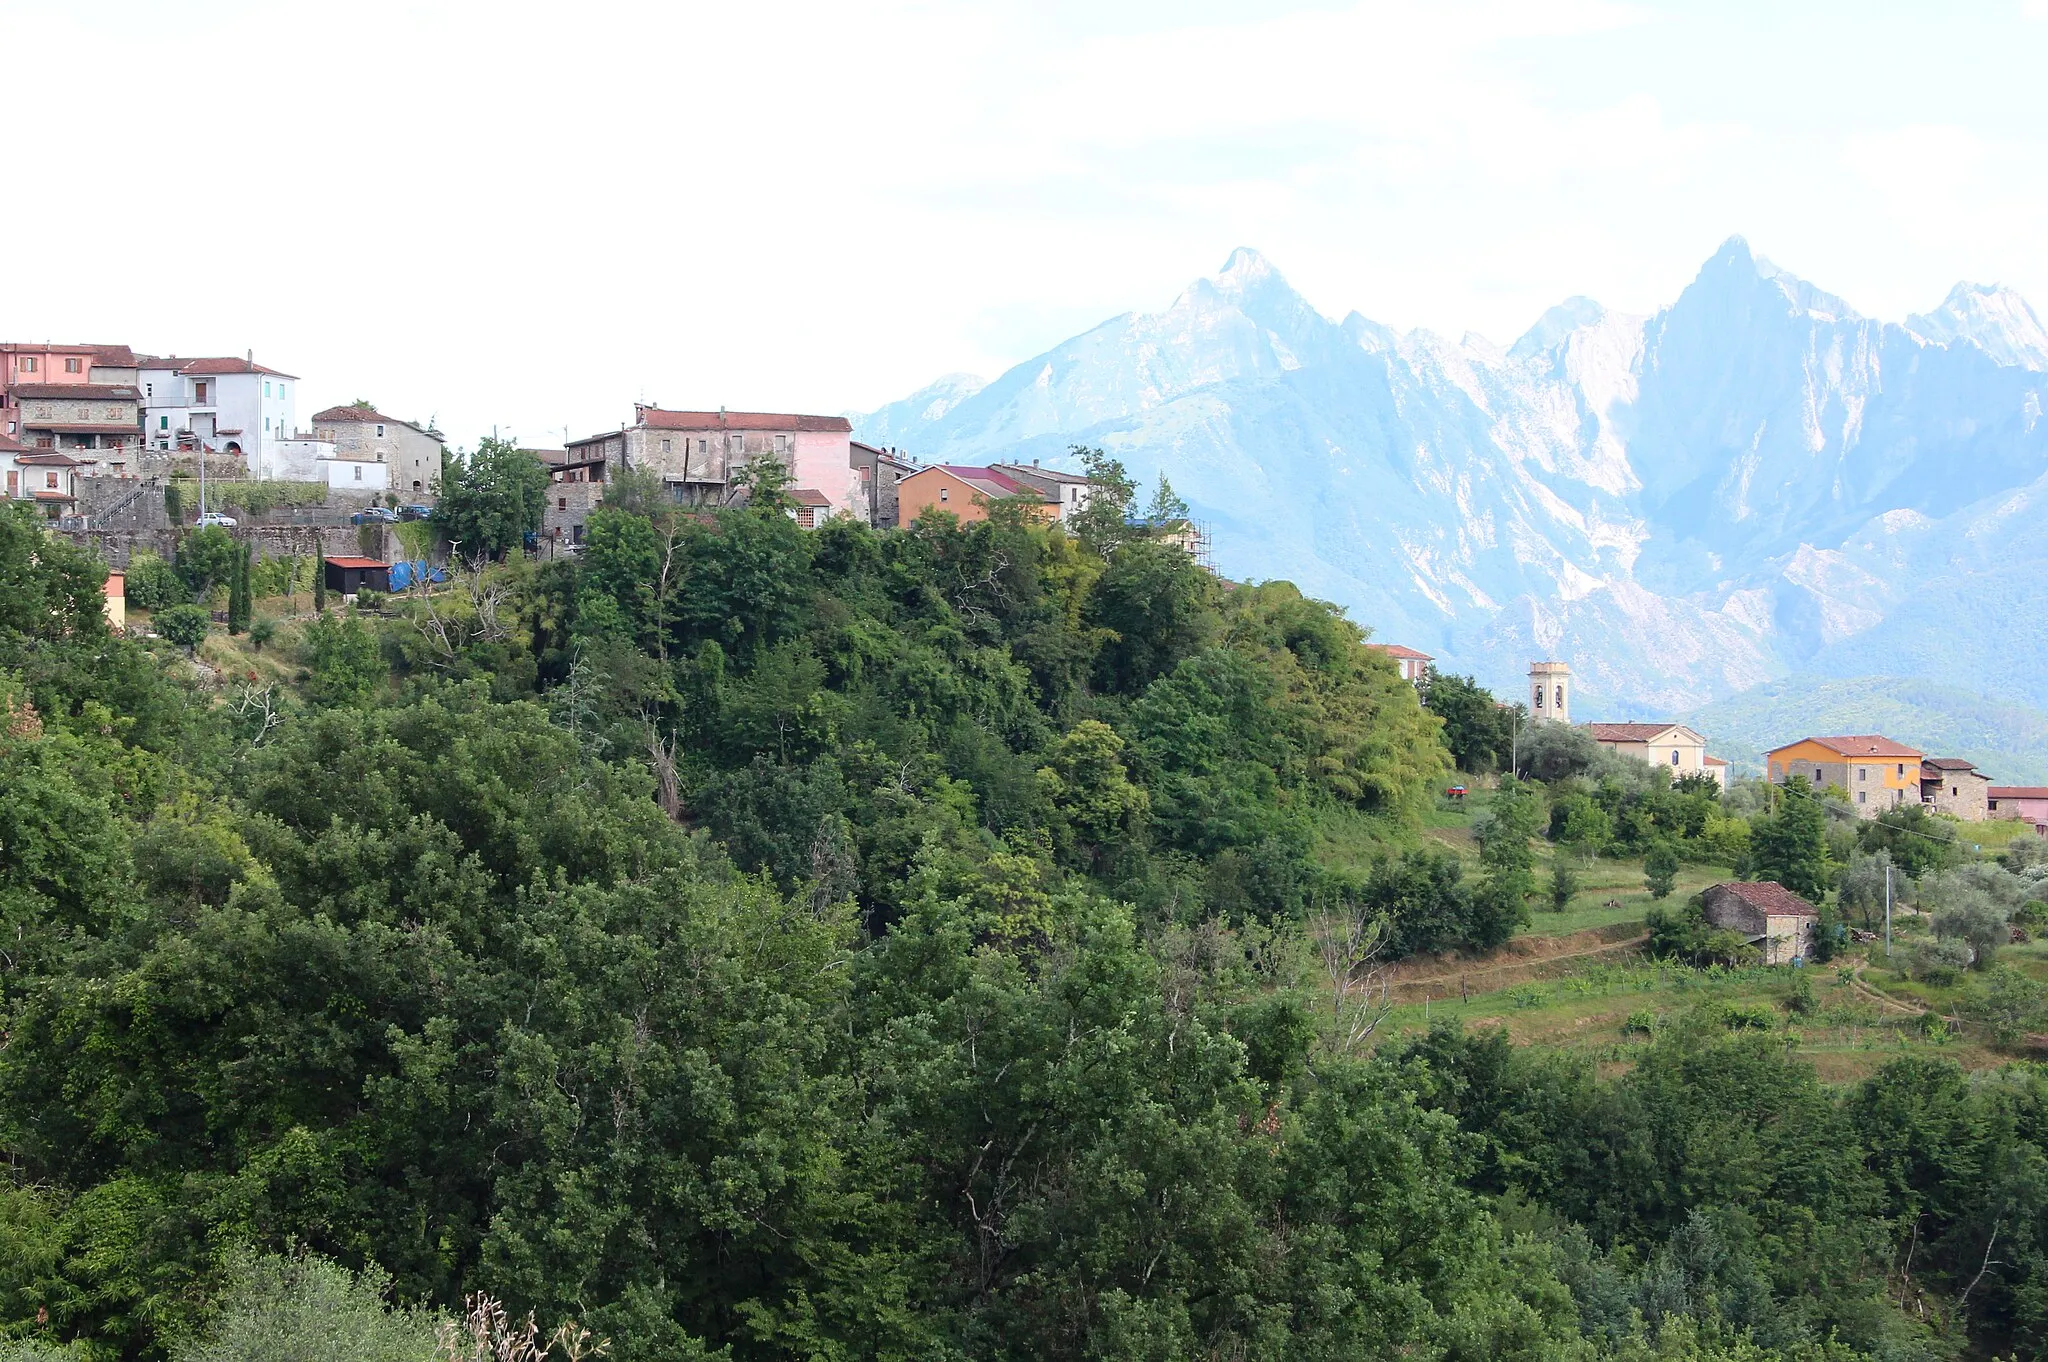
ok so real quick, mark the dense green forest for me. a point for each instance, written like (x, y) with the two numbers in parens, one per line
(758, 943)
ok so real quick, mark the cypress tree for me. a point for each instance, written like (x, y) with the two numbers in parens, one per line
(319, 584)
(238, 591)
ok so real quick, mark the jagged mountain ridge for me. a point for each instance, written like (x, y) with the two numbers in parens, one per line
(1747, 485)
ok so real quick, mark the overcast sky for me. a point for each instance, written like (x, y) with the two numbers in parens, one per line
(528, 216)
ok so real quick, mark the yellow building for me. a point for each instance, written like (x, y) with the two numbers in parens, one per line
(1875, 772)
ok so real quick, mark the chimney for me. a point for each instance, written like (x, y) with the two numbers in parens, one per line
(252, 356)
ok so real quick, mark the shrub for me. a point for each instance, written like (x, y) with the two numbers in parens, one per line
(153, 584)
(1800, 1002)
(1660, 870)
(310, 1310)
(184, 625)
(261, 631)
(1941, 962)
(1640, 1023)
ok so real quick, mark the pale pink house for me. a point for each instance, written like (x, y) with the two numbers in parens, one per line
(42, 366)
(1414, 665)
(2027, 803)
(697, 453)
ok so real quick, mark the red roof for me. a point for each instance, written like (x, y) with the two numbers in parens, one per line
(1866, 745)
(1770, 898)
(224, 364)
(659, 419)
(85, 427)
(1629, 732)
(10, 445)
(48, 459)
(1713, 761)
(1401, 650)
(349, 412)
(358, 563)
(2018, 792)
(808, 496)
(1950, 763)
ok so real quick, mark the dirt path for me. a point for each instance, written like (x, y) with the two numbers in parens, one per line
(1507, 968)
(1878, 996)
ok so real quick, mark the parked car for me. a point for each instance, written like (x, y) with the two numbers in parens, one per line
(375, 515)
(414, 512)
(226, 522)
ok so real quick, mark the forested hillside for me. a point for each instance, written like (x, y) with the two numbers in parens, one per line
(758, 943)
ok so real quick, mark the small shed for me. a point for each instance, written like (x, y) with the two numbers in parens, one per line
(1778, 922)
(348, 576)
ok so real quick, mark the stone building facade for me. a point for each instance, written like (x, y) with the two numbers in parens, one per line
(1955, 787)
(698, 453)
(413, 451)
(1778, 922)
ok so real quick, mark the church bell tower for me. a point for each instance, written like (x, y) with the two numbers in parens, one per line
(1550, 691)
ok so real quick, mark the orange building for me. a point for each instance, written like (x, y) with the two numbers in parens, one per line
(1875, 772)
(967, 493)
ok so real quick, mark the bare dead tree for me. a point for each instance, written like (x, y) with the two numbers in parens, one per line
(1353, 947)
(486, 1333)
(258, 705)
(661, 754)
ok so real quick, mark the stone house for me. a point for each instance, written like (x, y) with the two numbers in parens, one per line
(361, 432)
(697, 453)
(43, 365)
(1956, 787)
(575, 490)
(97, 422)
(1778, 922)
(880, 470)
(1876, 773)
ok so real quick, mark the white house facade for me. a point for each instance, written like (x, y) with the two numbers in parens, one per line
(221, 405)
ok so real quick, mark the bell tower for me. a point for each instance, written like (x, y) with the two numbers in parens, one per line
(1550, 691)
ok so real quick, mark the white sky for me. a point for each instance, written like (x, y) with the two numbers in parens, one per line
(529, 215)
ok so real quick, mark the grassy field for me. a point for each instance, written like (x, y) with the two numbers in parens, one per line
(1611, 1010)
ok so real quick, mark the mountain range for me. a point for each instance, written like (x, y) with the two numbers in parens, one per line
(1757, 492)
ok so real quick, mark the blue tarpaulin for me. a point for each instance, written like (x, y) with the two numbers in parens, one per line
(403, 575)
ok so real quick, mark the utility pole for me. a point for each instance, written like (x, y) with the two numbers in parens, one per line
(1887, 907)
(202, 475)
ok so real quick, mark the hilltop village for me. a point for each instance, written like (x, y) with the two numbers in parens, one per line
(718, 888)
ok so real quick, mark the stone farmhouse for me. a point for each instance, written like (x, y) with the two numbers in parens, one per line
(1772, 918)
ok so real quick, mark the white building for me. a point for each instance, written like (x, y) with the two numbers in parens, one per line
(342, 473)
(411, 451)
(222, 405)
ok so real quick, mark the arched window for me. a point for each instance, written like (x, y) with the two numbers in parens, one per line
(1539, 697)
(1674, 756)
(1560, 697)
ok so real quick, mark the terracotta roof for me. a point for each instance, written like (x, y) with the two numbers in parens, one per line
(358, 562)
(1864, 745)
(119, 356)
(1950, 763)
(84, 427)
(1767, 897)
(203, 367)
(55, 496)
(809, 496)
(2018, 792)
(987, 480)
(91, 392)
(10, 445)
(1713, 761)
(47, 459)
(349, 412)
(1401, 650)
(1630, 732)
(659, 419)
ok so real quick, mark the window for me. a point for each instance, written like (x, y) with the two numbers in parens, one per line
(561, 503)
(380, 432)
(1862, 773)
(163, 423)
(782, 444)
(71, 366)
(1862, 795)
(945, 494)
(1902, 769)
(28, 364)
(1674, 756)
(665, 447)
(50, 479)
(149, 390)
(359, 472)
(1539, 697)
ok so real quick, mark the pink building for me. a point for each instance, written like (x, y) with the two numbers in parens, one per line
(44, 367)
(697, 453)
(2027, 803)
(1414, 666)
